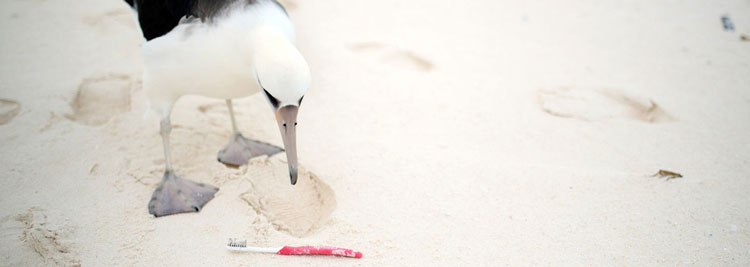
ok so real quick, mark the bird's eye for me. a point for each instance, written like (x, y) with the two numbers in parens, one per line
(284, 124)
(295, 123)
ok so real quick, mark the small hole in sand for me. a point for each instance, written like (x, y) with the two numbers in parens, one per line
(296, 209)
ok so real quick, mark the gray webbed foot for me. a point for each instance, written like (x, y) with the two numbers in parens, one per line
(240, 150)
(176, 195)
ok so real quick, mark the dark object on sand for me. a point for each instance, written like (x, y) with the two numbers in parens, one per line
(728, 26)
(669, 174)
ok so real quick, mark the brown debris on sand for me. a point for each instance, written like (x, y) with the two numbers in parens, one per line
(668, 174)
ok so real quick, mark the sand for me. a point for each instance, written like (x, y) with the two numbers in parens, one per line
(479, 133)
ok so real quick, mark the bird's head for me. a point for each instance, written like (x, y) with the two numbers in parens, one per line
(284, 79)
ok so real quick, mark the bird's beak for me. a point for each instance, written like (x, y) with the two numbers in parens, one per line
(286, 117)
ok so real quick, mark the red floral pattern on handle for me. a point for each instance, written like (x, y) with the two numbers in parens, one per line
(314, 250)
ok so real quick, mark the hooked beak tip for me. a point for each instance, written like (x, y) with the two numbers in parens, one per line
(293, 176)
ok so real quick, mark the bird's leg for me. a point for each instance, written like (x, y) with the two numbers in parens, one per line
(165, 128)
(174, 194)
(240, 149)
(231, 116)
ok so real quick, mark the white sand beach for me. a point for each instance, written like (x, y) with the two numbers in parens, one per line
(435, 133)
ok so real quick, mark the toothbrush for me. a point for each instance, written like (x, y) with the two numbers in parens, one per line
(241, 245)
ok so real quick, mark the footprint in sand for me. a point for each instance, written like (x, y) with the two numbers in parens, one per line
(397, 57)
(8, 110)
(45, 239)
(101, 98)
(298, 210)
(600, 104)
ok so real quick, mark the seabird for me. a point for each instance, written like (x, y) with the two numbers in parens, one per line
(222, 49)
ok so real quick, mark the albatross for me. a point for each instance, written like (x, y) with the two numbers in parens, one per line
(222, 49)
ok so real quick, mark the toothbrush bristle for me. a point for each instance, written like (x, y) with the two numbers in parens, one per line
(237, 243)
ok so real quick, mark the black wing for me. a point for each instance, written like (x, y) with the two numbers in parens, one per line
(159, 17)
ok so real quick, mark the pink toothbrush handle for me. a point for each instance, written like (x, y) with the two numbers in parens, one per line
(312, 250)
